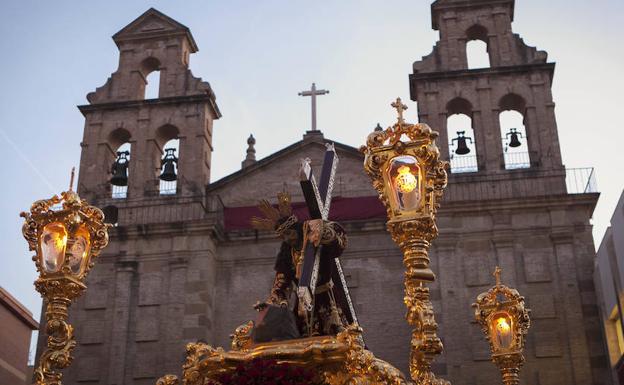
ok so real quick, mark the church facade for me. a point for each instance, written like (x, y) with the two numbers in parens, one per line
(184, 263)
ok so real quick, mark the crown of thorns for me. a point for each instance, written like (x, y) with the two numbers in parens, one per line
(277, 219)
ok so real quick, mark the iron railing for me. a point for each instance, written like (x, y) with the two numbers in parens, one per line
(516, 160)
(581, 180)
(119, 192)
(168, 188)
(463, 163)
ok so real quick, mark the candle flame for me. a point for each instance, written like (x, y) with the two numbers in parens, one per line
(503, 325)
(405, 181)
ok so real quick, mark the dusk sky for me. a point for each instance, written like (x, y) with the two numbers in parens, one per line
(257, 55)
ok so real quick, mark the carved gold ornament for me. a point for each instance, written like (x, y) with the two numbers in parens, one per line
(67, 235)
(404, 166)
(505, 322)
(340, 359)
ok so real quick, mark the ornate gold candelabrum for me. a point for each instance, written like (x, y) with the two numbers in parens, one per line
(66, 235)
(505, 322)
(403, 163)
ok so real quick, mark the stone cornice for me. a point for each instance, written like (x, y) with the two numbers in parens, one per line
(209, 226)
(172, 100)
(422, 77)
(523, 203)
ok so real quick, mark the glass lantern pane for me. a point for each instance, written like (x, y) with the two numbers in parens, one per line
(79, 249)
(502, 331)
(404, 176)
(52, 243)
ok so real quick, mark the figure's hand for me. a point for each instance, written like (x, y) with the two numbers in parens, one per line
(315, 230)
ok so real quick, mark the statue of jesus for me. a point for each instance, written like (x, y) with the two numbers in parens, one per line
(281, 315)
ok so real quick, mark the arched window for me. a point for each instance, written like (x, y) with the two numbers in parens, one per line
(513, 132)
(119, 172)
(169, 168)
(462, 147)
(153, 85)
(119, 139)
(167, 138)
(477, 54)
(150, 68)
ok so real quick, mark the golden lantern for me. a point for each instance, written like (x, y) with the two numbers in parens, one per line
(505, 322)
(66, 235)
(405, 169)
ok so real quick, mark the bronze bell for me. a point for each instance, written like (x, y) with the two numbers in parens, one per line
(120, 169)
(168, 165)
(514, 142)
(462, 148)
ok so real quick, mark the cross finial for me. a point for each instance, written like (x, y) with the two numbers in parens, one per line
(497, 274)
(71, 179)
(313, 92)
(400, 107)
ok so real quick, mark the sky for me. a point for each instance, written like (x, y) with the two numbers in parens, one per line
(257, 55)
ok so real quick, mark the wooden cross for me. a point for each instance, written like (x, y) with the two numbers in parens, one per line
(313, 93)
(400, 107)
(318, 200)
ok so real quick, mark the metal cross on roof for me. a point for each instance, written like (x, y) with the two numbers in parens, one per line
(313, 93)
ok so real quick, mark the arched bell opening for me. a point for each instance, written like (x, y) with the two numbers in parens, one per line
(111, 214)
(167, 138)
(462, 142)
(119, 139)
(477, 52)
(513, 132)
(120, 172)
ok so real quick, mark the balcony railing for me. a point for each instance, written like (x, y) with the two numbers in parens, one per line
(464, 163)
(522, 183)
(168, 188)
(516, 160)
(119, 192)
(581, 180)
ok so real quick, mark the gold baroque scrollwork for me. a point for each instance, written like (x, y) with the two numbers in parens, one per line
(168, 379)
(412, 229)
(361, 366)
(241, 339)
(342, 360)
(501, 298)
(61, 287)
(60, 345)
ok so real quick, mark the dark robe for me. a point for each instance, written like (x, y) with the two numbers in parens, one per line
(279, 318)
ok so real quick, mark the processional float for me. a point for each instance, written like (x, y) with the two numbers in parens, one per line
(404, 165)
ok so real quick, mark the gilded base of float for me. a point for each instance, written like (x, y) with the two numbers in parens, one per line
(341, 359)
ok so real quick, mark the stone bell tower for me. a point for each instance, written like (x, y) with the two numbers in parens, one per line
(119, 113)
(152, 290)
(518, 79)
(510, 201)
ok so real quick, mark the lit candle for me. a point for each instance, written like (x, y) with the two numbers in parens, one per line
(503, 332)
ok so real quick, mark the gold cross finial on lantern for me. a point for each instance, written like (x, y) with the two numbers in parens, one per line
(400, 107)
(497, 274)
(71, 179)
(66, 235)
(505, 322)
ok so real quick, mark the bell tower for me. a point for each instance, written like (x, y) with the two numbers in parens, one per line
(146, 159)
(517, 81)
(510, 202)
(118, 114)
